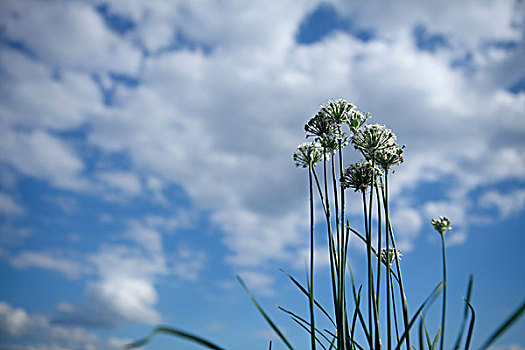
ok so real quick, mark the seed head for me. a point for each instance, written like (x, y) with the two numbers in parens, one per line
(321, 126)
(308, 154)
(393, 254)
(373, 138)
(441, 225)
(388, 157)
(338, 111)
(357, 119)
(359, 176)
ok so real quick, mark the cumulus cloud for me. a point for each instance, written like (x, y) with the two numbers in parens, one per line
(17, 326)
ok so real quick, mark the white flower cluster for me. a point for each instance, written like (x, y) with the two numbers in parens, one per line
(308, 154)
(442, 225)
(393, 254)
(359, 176)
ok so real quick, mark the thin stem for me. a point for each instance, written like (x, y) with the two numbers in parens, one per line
(401, 288)
(370, 271)
(333, 257)
(369, 260)
(311, 286)
(394, 309)
(378, 245)
(444, 292)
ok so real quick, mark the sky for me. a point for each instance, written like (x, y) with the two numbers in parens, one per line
(146, 159)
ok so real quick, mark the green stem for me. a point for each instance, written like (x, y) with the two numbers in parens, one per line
(378, 246)
(369, 260)
(333, 257)
(390, 232)
(311, 289)
(444, 292)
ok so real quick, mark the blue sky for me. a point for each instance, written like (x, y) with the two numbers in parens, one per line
(145, 159)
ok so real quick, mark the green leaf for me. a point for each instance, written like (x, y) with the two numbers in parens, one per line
(302, 289)
(465, 314)
(431, 298)
(512, 318)
(471, 326)
(266, 317)
(175, 332)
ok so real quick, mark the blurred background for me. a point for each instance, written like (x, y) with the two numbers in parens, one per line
(146, 159)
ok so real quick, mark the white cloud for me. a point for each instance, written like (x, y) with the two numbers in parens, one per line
(506, 203)
(259, 282)
(17, 327)
(71, 268)
(407, 223)
(127, 183)
(69, 34)
(189, 263)
(41, 155)
(223, 124)
(9, 207)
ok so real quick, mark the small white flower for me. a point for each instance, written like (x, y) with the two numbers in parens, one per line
(308, 154)
(372, 138)
(393, 254)
(359, 176)
(442, 225)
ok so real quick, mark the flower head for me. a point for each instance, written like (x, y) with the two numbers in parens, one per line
(393, 254)
(390, 156)
(373, 138)
(359, 176)
(442, 225)
(308, 154)
(321, 126)
(357, 119)
(338, 111)
(331, 142)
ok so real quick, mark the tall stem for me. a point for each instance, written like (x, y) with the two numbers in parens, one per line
(388, 282)
(369, 260)
(444, 292)
(333, 257)
(311, 286)
(398, 267)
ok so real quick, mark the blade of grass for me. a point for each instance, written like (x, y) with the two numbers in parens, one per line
(431, 298)
(512, 318)
(465, 314)
(263, 313)
(175, 332)
(361, 318)
(306, 293)
(436, 338)
(471, 326)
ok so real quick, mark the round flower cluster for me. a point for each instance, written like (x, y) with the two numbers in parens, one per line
(308, 154)
(338, 111)
(376, 142)
(359, 176)
(393, 254)
(442, 225)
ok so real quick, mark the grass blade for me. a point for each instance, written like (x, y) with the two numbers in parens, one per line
(465, 314)
(263, 313)
(471, 326)
(175, 332)
(307, 294)
(431, 298)
(512, 318)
